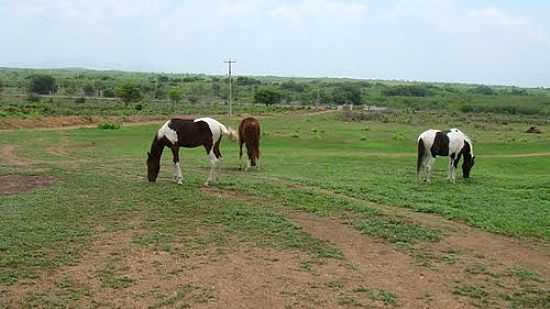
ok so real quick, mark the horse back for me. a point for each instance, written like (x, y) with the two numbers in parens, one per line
(191, 133)
(249, 131)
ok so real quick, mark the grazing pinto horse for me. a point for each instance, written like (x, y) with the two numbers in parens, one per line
(249, 134)
(452, 143)
(176, 133)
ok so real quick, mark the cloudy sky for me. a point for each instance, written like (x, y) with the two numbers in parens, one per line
(482, 41)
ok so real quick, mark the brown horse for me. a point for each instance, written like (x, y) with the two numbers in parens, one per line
(249, 134)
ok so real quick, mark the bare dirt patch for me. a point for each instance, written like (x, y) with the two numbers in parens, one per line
(8, 156)
(72, 122)
(115, 272)
(13, 184)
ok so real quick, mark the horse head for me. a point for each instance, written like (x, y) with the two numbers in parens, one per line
(153, 167)
(469, 160)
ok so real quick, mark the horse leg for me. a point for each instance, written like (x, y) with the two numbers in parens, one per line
(213, 162)
(177, 168)
(241, 155)
(429, 166)
(452, 167)
(219, 156)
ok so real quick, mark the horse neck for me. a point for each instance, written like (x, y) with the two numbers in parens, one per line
(157, 147)
(468, 151)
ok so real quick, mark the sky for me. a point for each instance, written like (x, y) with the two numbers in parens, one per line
(504, 42)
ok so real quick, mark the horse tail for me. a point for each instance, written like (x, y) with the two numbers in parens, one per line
(231, 133)
(257, 146)
(421, 155)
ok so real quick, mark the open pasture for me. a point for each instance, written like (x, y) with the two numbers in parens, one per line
(333, 217)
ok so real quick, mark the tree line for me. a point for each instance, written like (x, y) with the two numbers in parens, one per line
(191, 89)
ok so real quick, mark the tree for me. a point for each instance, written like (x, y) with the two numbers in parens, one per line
(247, 81)
(407, 91)
(109, 93)
(196, 91)
(175, 94)
(42, 84)
(267, 96)
(293, 86)
(347, 94)
(88, 90)
(483, 90)
(129, 92)
(1, 86)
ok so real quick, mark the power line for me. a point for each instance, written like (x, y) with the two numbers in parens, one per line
(229, 62)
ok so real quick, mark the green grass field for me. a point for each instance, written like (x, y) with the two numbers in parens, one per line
(362, 173)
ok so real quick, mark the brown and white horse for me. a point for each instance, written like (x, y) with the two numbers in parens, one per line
(249, 134)
(452, 143)
(189, 133)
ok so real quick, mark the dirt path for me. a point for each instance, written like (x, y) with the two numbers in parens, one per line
(382, 265)
(456, 259)
(115, 272)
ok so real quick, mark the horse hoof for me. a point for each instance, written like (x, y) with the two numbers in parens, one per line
(205, 184)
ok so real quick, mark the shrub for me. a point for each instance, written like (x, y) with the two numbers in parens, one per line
(128, 92)
(175, 94)
(108, 126)
(33, 97)
(483, 90)
(109, 93)
(42, 84)
(80, 100)
(407, 91)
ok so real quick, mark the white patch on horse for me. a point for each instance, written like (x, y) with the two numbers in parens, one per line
(166, 131)
(216, 128)
(428, 138)
(178, 177)
(213, 163)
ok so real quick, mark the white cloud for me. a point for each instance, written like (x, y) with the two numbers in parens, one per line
(506, 24)
(302, 11)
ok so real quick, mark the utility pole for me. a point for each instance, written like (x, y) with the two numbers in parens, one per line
(229, 62)
(318, 101)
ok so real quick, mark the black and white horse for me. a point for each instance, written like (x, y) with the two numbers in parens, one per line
(452, 143)
(189, 133)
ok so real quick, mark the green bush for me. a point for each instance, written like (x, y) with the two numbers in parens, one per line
(33, 97)
(108, 126)
(408, 91)
(42, 84)
(80, 100)
(268, 96)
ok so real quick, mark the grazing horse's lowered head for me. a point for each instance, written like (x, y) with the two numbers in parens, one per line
(249, 134)
(452, 143)
(189, 133)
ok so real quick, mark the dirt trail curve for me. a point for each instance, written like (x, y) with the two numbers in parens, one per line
(383, 265)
